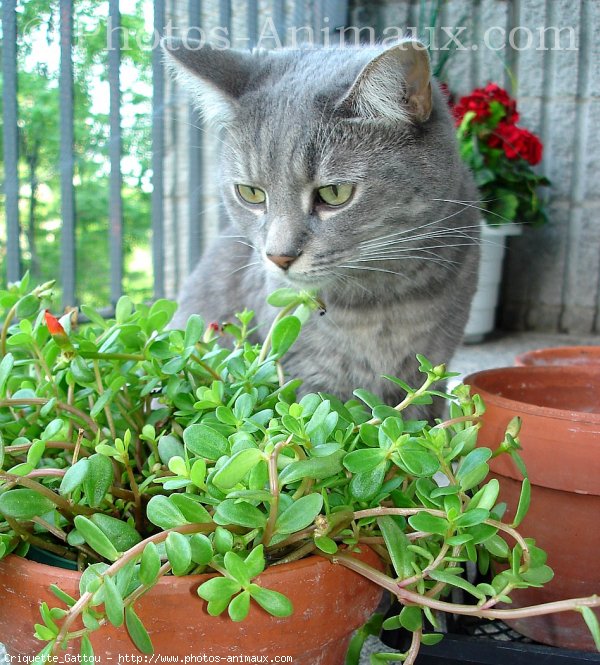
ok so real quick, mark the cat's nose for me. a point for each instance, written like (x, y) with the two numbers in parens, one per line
(281, 260)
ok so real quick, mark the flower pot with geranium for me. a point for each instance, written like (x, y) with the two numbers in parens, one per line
(501, 156)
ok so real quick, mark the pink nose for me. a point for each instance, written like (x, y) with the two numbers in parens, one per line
(284, 262)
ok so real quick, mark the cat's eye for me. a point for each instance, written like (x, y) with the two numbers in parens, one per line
(335, 195)
(252, 195)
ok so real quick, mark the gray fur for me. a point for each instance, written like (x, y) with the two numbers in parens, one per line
(396, 267)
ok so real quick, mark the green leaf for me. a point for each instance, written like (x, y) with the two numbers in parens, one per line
(423, 521)
(237, 568)
(300, 514)
(218, 588)
(239, 606)
(194, 329)
(241, 513)
(98, 479)
(205, 441)
(123, 309)
(591, 620)
(113, 602)
(236, 468)
(202, 551)
(149, 564)
(538, 576)
(121, 534)
(283, 297)
(326, 544)
(6, 367)
(363, 461)
(273, 602)
(169, 447)
(192, 510)
(455, 580)
(284, 335)
(74, 476)
(472, 517)
(365, 486)
(429, 639)
(163, 513)
(524, 500)
(100, 403)
(62, 595)
(317, 468)
(368, 398)
(24, 504)
(86, 651)
(397, 545)
(179, 552)
(95, 538)
(473, 468)
(138, 634)
(411, 618)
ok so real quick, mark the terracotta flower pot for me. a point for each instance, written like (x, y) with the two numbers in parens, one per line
(560, 436)
(329, 603)
(561, 355)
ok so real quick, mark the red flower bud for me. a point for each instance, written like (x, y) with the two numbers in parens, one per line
(53, 324)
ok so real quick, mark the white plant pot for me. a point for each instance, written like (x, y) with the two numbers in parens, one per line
(482, 316)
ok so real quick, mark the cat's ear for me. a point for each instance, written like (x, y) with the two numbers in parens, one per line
(216, 78)
(395, 85)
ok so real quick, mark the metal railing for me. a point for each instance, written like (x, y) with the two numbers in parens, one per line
(282, 14)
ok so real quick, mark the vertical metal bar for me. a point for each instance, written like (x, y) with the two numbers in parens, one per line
(298, 20)
(225, 16)
(67, 158)
(115, 148)
(224, 21)
(11, 139)
(252, 23)
(158, 147)
(195, 216)
(279, 19)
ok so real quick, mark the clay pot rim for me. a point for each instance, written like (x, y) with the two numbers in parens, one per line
(297, 566)
(527, 358)
(533, 409)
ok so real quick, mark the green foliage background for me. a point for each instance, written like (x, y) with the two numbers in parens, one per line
(39, 145)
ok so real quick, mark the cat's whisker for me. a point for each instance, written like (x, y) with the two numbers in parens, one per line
(417, 228)
(247, 265)
(391, 272)
(471, 205)
(441, 233)
(405, 232)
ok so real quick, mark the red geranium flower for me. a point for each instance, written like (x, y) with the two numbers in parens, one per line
(497, 94)
(517, 143)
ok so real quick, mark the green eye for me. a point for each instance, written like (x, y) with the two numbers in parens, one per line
(252, 195)
(335, 195)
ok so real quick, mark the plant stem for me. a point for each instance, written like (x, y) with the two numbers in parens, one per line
(107, 411)
(131, 554)
(64, 506)
(274, 488)
(7, 321)
(41, 401)
(96, 355)
(415, 645)
(206, 367)
(267, 343)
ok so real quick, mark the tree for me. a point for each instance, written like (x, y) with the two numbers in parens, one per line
(39, 145)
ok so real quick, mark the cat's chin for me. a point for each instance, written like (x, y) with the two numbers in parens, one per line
(305, 282)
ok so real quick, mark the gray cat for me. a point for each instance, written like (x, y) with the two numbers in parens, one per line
(340, 172)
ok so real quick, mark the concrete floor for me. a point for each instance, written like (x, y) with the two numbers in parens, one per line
(499, 351)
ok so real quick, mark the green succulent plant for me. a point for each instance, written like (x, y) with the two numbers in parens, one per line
(137, 451)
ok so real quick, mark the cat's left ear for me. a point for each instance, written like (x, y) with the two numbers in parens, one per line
(394, 86)
(216, 78)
